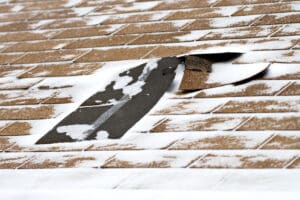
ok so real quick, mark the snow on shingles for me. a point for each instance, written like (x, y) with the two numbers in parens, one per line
(83, 11)
(284, 141)
(154, 141)
(151, 159)
(135, 17)
(253, 88)
(241, 32)
(181, 123)
(152, 27)
(220, 140)
(24, 97)
(31, 112)
(270, 56)
(17, 8)
(191, 36)
(276, 104)
(12, 71)
(246, 159)
(246, 46)
(41, 23)
(283, 71)
(134, 7)
(12, 161)
(273, 43)
(66, 160)
(232, 21)
(186, 107)
(288, 30)
(203, 13)
(25, 144)
(71, 3)
(85, 86)
(9, 83)
(3, 124)
(94, 20)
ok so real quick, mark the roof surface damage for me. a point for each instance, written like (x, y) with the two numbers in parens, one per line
(229, 124)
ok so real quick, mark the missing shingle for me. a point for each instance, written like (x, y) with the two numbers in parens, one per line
(114, 111)
(213, 70)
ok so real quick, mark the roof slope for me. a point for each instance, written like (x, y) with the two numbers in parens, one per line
(57, 53)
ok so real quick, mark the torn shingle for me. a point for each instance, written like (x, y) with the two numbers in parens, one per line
(198, 64)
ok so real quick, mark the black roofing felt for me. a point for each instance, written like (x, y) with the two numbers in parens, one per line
(118, 118)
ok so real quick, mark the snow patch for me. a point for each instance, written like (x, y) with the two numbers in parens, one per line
(76, 132)
(59, 46)
(96, 20)
(71, 3)
(82, 11)
(102, 135)
(122, 82)
(193, 35)
(17, 8)
(135, 88)
(220, 72)
(41, 23)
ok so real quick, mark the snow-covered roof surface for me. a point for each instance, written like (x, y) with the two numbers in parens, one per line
(55, 54)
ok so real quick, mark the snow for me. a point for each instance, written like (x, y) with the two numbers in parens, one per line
(193, 35)
(12, 82)
(17, 8)
(71, 3)
(174, 159)
(135, 88)
(95, 20)
(277, 70)
(271, 87)
(237, 72)
(102, 135)
(41, 23)
(181, 123)
(75, 131)
(136, 6)
(121, 82)
(82, 11)
(228, 10)
(185, 107)
(249, 140)
(164, 181)
(265, 56)
(59, 46)
(228, 22)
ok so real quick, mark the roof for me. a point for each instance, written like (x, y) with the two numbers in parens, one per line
(55, 54)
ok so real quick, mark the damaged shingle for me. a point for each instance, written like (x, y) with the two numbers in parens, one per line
(198, 64)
